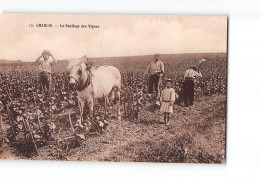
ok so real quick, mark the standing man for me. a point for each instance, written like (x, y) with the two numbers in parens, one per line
(155, 71)
(45, 69)
(188, 86)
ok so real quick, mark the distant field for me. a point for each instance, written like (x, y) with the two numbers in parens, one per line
(175, 64)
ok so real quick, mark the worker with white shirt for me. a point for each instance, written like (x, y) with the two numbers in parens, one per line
(45, 68)
(188, 86)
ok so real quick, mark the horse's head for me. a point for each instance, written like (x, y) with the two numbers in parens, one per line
(79, 72)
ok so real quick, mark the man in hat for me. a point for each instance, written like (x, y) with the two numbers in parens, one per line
(45, 69)
(155, 70)
(188, 86)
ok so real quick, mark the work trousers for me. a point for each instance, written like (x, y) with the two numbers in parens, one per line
(188, 92)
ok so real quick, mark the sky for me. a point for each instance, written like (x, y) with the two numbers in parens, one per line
(117, 35)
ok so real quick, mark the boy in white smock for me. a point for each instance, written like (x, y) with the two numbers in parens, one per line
(167, 99)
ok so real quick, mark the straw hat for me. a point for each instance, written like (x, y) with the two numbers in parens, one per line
(168, 79)
(202, 60)
(46, 52)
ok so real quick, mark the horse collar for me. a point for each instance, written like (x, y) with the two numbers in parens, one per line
(87, 83)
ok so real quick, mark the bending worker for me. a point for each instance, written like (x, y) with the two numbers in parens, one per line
(188, 86)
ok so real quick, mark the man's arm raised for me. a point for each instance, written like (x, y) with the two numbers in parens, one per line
(38, 59)
(54, 61)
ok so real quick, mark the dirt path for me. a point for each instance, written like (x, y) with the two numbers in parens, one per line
(203, 124)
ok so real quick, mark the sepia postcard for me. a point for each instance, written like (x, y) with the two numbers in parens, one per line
(120, 88)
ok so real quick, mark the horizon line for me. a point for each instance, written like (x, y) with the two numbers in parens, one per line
(20, 60)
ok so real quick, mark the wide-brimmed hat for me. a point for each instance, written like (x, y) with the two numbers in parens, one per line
(168, 80)
(46, 52)
(201, 61)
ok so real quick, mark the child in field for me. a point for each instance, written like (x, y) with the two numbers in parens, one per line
(167, 99)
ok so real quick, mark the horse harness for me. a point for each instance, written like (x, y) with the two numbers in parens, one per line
(87, 83)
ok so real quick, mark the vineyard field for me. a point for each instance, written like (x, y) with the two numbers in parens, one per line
(42, 125)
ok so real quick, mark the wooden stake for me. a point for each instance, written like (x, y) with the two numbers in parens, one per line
(9, 120)
(38, 118)
(30, 131)
(133, 105)
(81, 112)
(1, 123)
(124, 105)
(137, 108)
(94, 112)
(105, 107)
(71, 124)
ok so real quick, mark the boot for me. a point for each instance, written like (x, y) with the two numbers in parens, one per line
(167, 120)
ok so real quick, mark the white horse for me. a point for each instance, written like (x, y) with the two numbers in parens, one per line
(105, 81)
